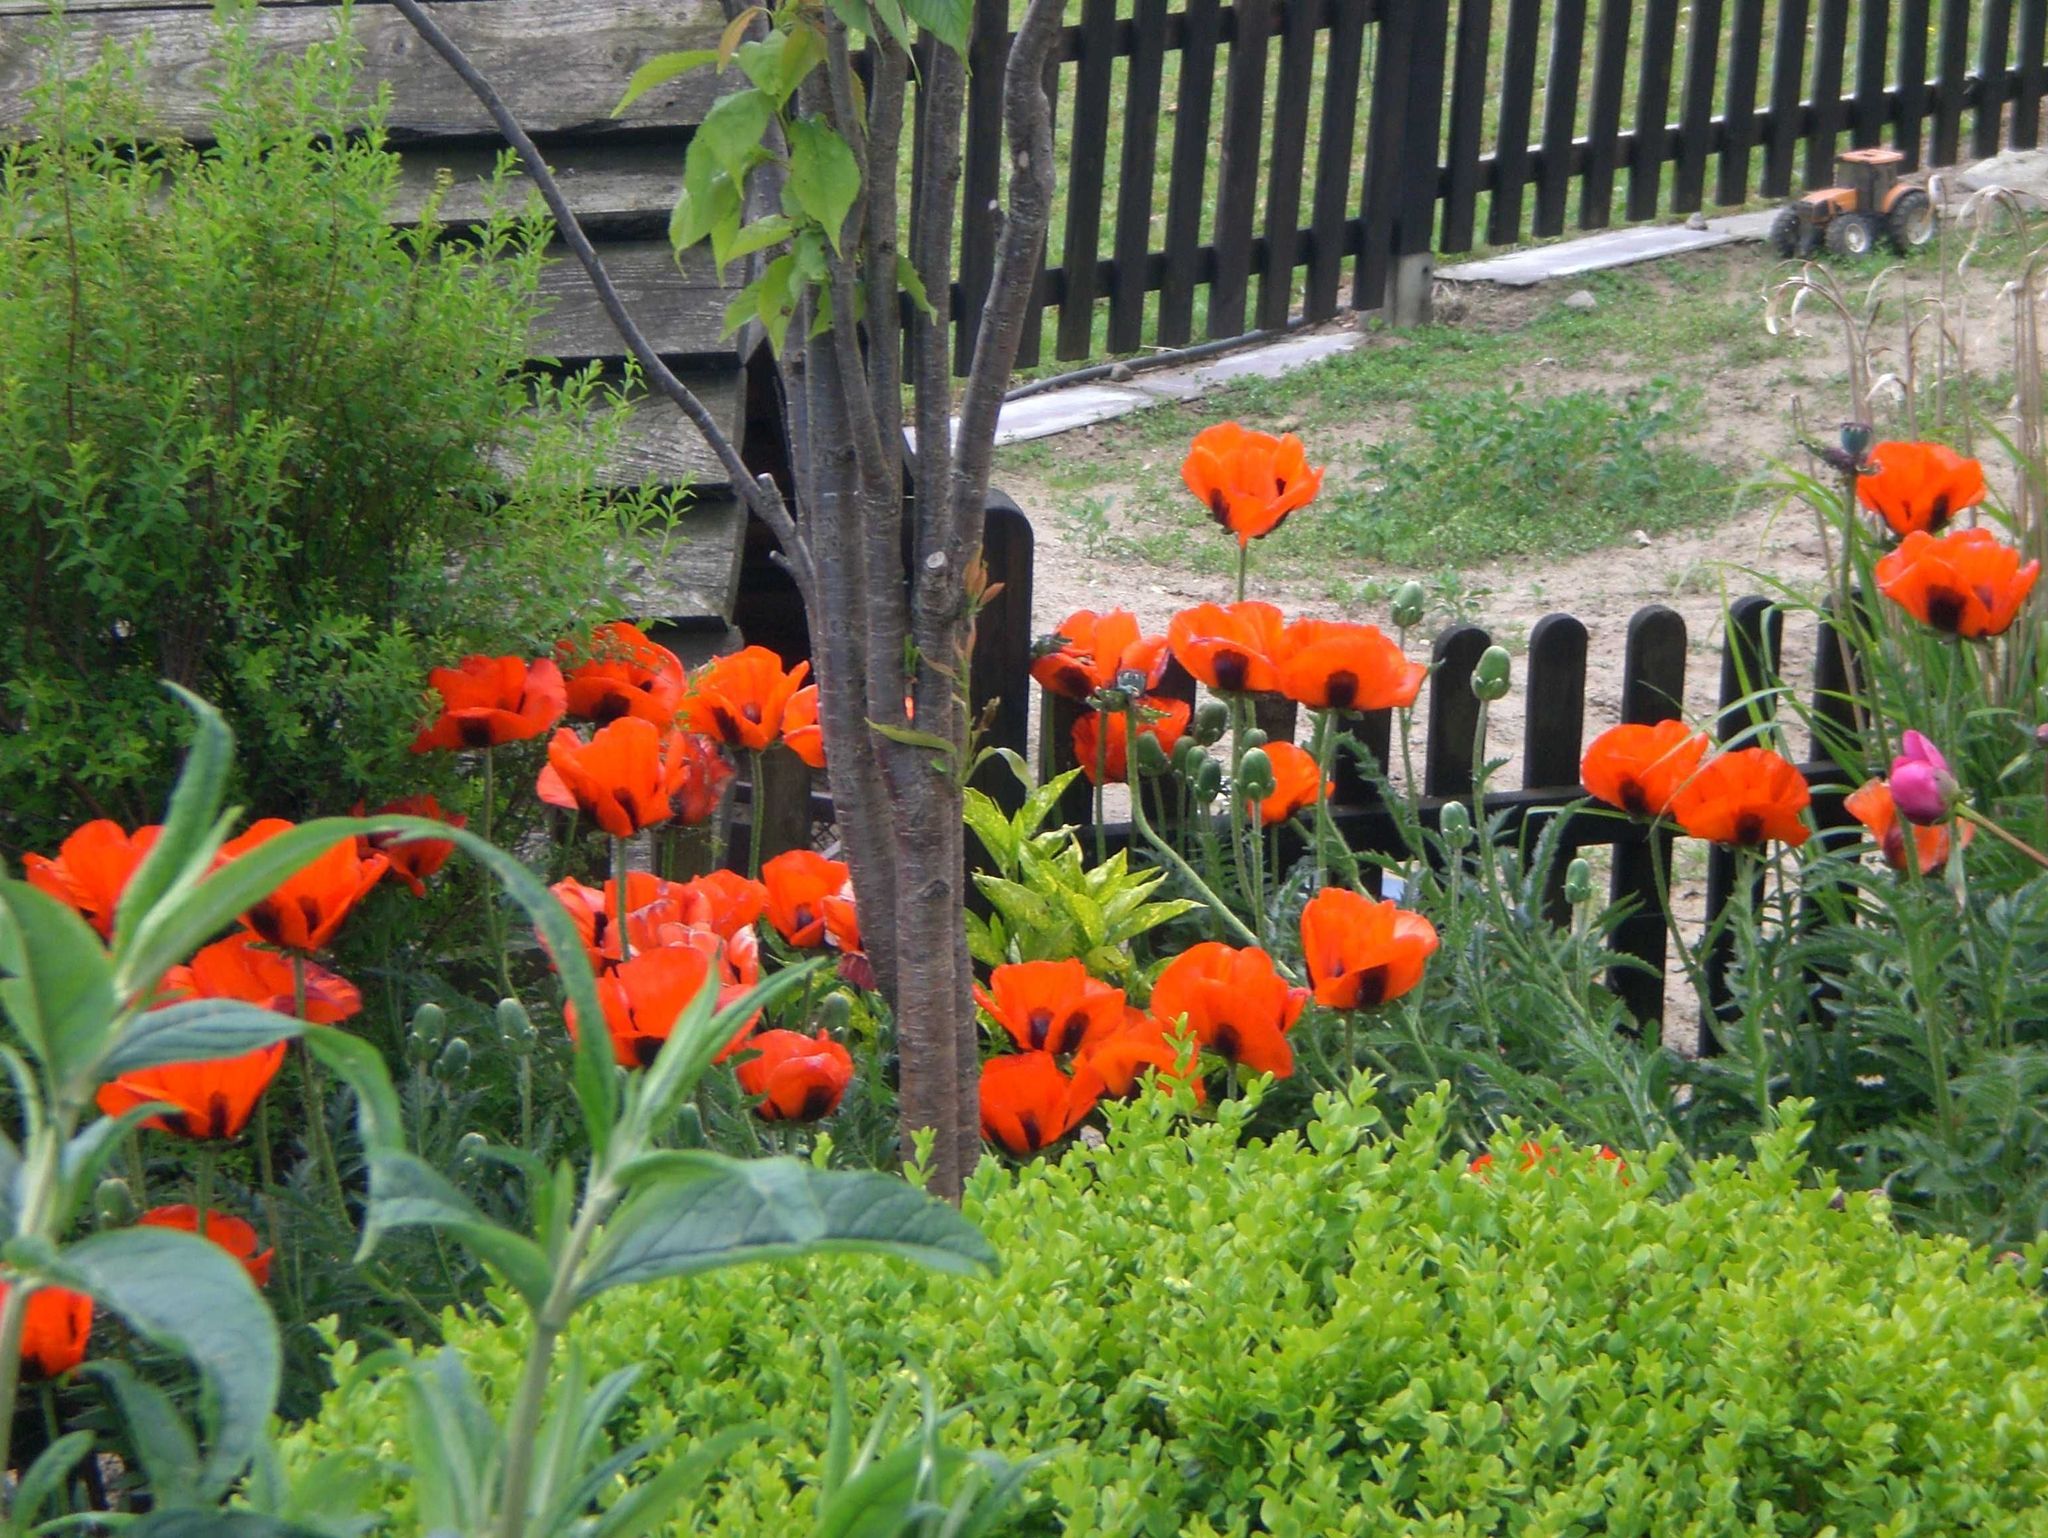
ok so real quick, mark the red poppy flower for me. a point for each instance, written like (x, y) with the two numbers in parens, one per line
(1639, 768)
(1965, 584)
(1250, 481)
(55, 1327)
(1229, 647)
(800, 728)
(241, 967)
(304, 913)
(1164, 720)
(705, 772)
(842, 921)
(1115, 1064)
(412, 859)
(92, 869)
(1295, 780)
(741, 699)
(232, 1234)
(1051, 1006)
(1234, 1002)
(1362, 953)
(643, 998)
(619, 672)
(489, 700)
(798, 883)
(1871, 804)
(211, 1100)
(1749, 796)
(1919, 487)
(1090, 651)
(1027, 1104)
(624, 779)
(798, 1077)
(1327, 665)
(1532, 1153)
(723, 901)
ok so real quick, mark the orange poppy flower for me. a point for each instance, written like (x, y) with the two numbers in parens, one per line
(723, 901)
(92, 869)
(1250, 481)
(54, 1330)
(799, 881)
(232, 1234)
(489, 700)
(705, 772)
(1027, 1104)
(1327, 665)
(1919, 487)
(643, 998)
(798, 1077)
(1229, 647)
(304, 913)
(1234, 1002)
(1871, 804)
(1639, 768)
(1115, 1065)
(1966, 583)
(619, 672)
(241, 967)
(1746, 797)
(1295, 781)
(412, 859)
(1163, 720)
(1092, 650)
(842, 920)
(740, 699)
(624, 779)
(210, 1100)
(1363, 953)
(800, 728)
(1051, 1006)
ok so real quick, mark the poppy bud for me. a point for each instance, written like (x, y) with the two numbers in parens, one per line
(469, 1148)
(1490, 678)
(1211, 721)
(834, 1012)
(1856, 440)
(2041, 736)
(1923, 789)
(1253, 738)
(1255, 775)
(1455, 824)
(113, 1204)
(1209, 780)
(515, 1026)
(419, 1050)
(1578, 882)
(429, 1024)
(1411, 603)
(1149, 755)
(1187, 758)
(453, 1063)
(689, 1128)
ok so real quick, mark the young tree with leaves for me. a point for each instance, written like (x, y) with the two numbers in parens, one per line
(797, 172)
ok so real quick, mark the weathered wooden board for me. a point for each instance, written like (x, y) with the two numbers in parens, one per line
(691, 576)
(561, 66)
(658, 446)
(619, 191)
(680, 307)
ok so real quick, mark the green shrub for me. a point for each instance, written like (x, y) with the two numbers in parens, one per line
(1339, 1333)
(248, 433)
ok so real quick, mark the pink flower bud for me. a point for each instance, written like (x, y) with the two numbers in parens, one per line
(1922, 788)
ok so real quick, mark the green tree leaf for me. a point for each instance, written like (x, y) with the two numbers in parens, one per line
(56, 983)
(947, 20)
(661, 69)
(824, 178)
(189, 1295)
(731, 132)
(722, 1212)
(195, 1031)
(911, 284)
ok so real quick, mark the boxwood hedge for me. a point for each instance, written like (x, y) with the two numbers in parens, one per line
(1344, 1332)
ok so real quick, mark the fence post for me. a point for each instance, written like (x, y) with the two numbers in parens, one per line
(999, 668)
(1554, 724)
(1412, 277)
(1749, 664)
(1652, 690)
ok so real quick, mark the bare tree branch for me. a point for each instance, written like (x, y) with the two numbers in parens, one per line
(759, 493)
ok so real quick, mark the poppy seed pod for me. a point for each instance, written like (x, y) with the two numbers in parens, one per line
(1490, 678)
(1151, 757)
(1254, 738)
(1187, 758)
(1113, 698)
(1578, 882)
(1209, 780)
(1255, 775)
(1857, 438)
(453, 1064)
(515, 1026)
(113, 1204)
(1411, 603)
(1455, 824)
(469, 1149)
(835, 1012)
(430, 1024)
(1211, 721)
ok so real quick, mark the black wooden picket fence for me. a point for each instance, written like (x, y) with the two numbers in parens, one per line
(1447, 93)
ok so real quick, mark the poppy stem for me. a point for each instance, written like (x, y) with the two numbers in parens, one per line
(1997, 832)
(266, 1172)
(203, 1187)
(1660, 877)
(1238, 711)
(1329, 841)
(619, 899)
(494, 929)
(1186, 872)
(756, 811)
(1102, 774)
(316, 1101)
(1244, 560)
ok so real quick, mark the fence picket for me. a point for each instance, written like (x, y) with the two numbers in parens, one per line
(1468, 123)
(1560, 113)
(1329, 239)
(1749, 664)
(2033, 74)
(1745, 55)
(1872, 111)
(1133, 239)
(1453, 711)
(1696, 107)
(1911, 75)
(1952, 56)
(1084, 178)
(1237, 173)
(1647, 155)
(1201, 26)
(1830, 41)
(1993, 39)
(1652, 689)
(1291, 90)
(1511, 137)
(1554, 727)
(982, 171)
(1788, 80)
(1603, 131)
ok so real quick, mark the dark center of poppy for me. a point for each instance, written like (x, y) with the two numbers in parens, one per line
(1219, 507)
(1038, 1026)
(804, 917)
(310, 914)
(1232, 668)
(1938, 514)
(220, 1118)
(1342, 688)
(1634, 799)
(1749, 828)
(475, 731)
(1370, 988)
(645, 1049)
(1279, 486)
(817, 1101)
(1073, 1028)
(1027, 1123)
(614, 704)
(1227, 1041)
(1945, 608)
(728, 728)
(752, 712)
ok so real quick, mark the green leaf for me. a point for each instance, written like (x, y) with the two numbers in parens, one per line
(56, 983)
(891, 15)
(699, 1035)
(911, 284)
(406, 1192)
(189, 1295)
(217, 1524)
(776, 304)
(46, 1476)
(661, 69)
(194, 1032)
(910, 737)
(947, 20)
(758, 236)
(186, 845)
(734, 1210)
(708, 200)
(359, 1065)
(732, 131)
(158, 1433)
(824, 178)
(641, 1509)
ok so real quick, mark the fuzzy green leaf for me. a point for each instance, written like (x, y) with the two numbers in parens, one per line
(824, 178)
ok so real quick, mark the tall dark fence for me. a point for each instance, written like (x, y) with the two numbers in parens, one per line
(1280, 158)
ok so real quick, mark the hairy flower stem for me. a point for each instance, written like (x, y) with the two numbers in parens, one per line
(1244, 561)
(1660, 877)
(1240, 713)
(1330, 843)
(756, 815)
(619, 892)
(315, 1100)
(1102, 776)
(1185, 871)
(202, 1199)
(1997, 832)
(38, 1183)
(494, 923)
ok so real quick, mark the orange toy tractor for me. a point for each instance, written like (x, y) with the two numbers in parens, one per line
(1867, 201)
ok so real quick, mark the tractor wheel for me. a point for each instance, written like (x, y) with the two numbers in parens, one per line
(1910, 221)
(1852, 234)
(1785, 236)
